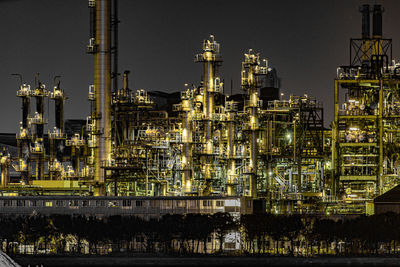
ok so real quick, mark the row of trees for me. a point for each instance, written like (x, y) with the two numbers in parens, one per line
(201, 233)
(172, 234)
(304, 235)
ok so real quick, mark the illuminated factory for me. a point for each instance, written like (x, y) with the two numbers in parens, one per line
(201, 142)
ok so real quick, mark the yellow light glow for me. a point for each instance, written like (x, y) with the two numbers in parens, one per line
(184, 135)
(209, 147)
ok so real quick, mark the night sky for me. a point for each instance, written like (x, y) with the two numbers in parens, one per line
(304, 40)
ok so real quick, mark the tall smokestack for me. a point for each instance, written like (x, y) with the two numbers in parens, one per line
(102, 82)
(365, 22)
(377, 22)
(125, 81)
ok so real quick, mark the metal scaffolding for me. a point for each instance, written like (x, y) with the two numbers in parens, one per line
(365, 127)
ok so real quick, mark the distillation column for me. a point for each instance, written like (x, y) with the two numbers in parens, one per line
(186, 140)
(251, 70)
(57, 137)
(23, 137)
(377, 61)
(231, 109)
(102, 86)
(38, 120)
(210, 59)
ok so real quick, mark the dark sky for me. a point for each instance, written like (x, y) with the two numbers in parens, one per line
(304, 40)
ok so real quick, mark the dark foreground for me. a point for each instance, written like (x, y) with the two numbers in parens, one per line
(47, 261)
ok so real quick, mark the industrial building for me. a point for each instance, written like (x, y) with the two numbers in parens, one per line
(203, 143)
(365, 130)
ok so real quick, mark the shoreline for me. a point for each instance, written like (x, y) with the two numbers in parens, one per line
(207, 260)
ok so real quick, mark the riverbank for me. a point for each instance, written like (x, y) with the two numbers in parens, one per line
(153, 260)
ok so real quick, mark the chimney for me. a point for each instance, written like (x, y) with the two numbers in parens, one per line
(377, 22)
(365, 22)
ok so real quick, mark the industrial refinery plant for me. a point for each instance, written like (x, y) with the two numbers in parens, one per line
(203, 143)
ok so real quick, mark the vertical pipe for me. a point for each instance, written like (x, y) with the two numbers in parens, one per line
(231, 150)
(208, 102)
(102, 77)
(25, 111)
(252, 62)
(295, 156)
(24, 151)
(39, 97)
(39, 110)
(253, 138)
(186, 139)
(147, 173)
(59, 109)
(380, 120)
(115, 44)
(335, 141)
(92, 21)
(164, 188)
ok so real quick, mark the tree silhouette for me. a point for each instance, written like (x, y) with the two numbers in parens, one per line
(150, 230)
(276, 230)
(115, 230)
(255, 227)
(223, 223)
(292, 226)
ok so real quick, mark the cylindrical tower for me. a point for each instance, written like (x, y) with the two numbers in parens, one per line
(231, 110)
(377, 22)
(24, 135)
(102, 85)
(187, 141)
(377, 30)
(38, 120)
(365, 35)
(57, 137)
(5, 165)
(211, 60)
(251, 70)
(365, 25)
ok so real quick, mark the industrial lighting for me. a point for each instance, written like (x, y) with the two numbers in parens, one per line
(328, 164)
